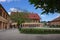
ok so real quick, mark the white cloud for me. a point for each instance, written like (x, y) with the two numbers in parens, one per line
(58, 15)
(43, 16)
(15, 10)
(8, 0)
(9, 13)
(2, 0)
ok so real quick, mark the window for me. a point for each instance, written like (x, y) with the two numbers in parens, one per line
(3, 14)
(6, 16)
(0, 12)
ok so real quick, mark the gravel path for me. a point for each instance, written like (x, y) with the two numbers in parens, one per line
(13, 34)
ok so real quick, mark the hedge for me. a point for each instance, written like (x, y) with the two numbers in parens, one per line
(39, 31)
(54, 26)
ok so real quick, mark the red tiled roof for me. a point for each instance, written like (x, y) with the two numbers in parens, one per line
(33, 16)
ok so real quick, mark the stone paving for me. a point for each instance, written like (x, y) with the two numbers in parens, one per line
(14, 34)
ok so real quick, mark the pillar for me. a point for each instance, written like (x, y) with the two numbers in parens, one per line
(2, 25)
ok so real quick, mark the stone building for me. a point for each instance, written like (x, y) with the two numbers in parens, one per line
(34, 20)
(55, 21)
(4, 18)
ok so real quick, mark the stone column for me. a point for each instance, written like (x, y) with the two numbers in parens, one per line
(2, 25)
(7, 24)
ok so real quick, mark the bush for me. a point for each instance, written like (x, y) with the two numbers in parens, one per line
(54, 26)
(39, 31)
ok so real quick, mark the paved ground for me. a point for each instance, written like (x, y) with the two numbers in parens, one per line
(13, 34)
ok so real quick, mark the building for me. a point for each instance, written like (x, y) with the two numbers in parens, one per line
(55, 21)
(34, 20)
(4, 18)
(34, 17)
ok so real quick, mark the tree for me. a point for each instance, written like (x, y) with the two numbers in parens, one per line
(48, 6)
(19, 17)
(44, 22)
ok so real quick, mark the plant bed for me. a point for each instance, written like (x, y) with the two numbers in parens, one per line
(39, 31)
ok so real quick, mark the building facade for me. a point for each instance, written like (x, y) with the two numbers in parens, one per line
(55, 21)
(4, 18)
(34, 20)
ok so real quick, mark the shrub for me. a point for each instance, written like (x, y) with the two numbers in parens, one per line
(54, 26)
(39, 31)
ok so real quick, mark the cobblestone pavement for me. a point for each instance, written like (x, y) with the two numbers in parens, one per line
(13, 34)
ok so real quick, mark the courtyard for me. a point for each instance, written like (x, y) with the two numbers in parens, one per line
(14, 34)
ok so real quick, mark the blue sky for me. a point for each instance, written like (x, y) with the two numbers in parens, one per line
(24, 4)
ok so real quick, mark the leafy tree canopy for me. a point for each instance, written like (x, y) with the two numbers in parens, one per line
(19, 17)
(48, 6)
